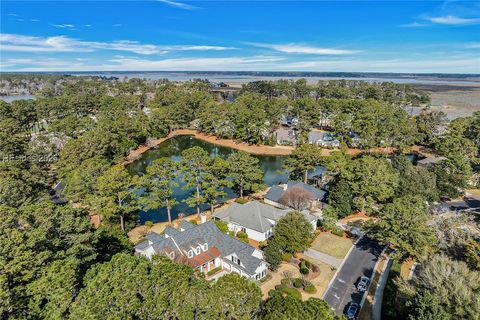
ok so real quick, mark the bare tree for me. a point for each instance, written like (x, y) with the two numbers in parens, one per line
(297, 198)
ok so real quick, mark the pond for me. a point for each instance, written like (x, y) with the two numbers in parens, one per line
(11, 98)
(270, 165)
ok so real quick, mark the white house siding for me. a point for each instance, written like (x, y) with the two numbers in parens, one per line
(252, 234)
(273, 203)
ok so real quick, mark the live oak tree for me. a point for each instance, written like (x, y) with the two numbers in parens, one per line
(234, 297)
(371, 180)
(43, 250)
(293, 232)
(117, 193)
(161, 289)
(159, 183)
(280, 307)
(304, 158)
(403, 223)
(443, 289)
(245, 172)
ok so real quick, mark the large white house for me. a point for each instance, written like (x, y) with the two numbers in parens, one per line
(254, 218)
(205, 247)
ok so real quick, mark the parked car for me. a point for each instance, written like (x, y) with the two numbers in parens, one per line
(352, 311)
(363, 284)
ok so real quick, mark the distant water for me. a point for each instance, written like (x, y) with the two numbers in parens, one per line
(17, 97)
(245, 78)
(172, 148)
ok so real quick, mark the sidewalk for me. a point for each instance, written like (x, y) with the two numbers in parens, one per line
(325, 258)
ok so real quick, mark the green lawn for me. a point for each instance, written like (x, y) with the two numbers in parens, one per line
(332, 245)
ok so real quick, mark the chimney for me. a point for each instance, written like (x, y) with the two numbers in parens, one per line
(203, 218)
(284, 186)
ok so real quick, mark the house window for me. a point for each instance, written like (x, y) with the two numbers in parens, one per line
(235, 260)
(205, 247)
(243, 229)
(197, 250)
(190, 253)
(172, 255)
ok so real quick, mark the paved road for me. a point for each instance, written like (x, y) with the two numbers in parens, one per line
(334, 262)
(361, 261)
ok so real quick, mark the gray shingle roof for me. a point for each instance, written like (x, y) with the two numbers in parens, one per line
(276, 192)
(209, 233)
(431, 160)
(252, 215)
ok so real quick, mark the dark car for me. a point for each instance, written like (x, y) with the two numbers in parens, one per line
(363, 284)
(352, 311)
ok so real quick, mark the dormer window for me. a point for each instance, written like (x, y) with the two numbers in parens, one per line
(197, 250)
(205, 247)
(172, 255)
(190, 253)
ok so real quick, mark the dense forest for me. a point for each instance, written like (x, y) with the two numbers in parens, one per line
(55, 265)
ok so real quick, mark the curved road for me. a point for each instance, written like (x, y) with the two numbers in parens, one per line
(360, 262)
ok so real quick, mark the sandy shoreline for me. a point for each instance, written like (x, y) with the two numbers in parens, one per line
(253, 149)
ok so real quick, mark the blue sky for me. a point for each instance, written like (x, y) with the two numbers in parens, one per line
(361, 36)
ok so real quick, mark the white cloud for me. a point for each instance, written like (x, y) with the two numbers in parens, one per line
(117, 25)
(178, 4)
(302, 49)
(64, 26)
(22, 43)
(414, 25)
(453, 20)
(473, 46)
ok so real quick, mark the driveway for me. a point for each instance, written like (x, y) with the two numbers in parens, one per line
(360, 262)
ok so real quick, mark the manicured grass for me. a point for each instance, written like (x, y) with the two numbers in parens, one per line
(332, 245)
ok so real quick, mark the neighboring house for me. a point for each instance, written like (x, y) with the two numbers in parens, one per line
(285, 135)
(288, 120)
(323, 139)
(430, 161)
(254, 218)
(205, 247)
(275, 194)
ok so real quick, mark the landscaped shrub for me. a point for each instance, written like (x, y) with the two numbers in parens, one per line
(231, 233)
(149, 223)
(241, 200)
(193, 221)
(280, 287)
(308, 264)
(297, 283)
(285, 281)
(310, 288)
(286, 256)
(242, 235)
(303, 268)
(338, 232)
(222, 226)
(266, 278)
(213, 271)
(294, 293)
(263, 244)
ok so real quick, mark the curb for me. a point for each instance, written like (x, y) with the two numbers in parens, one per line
(388, 265)
(340, 267)
(373, 275)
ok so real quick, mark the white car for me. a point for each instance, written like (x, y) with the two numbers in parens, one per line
(363, 284)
